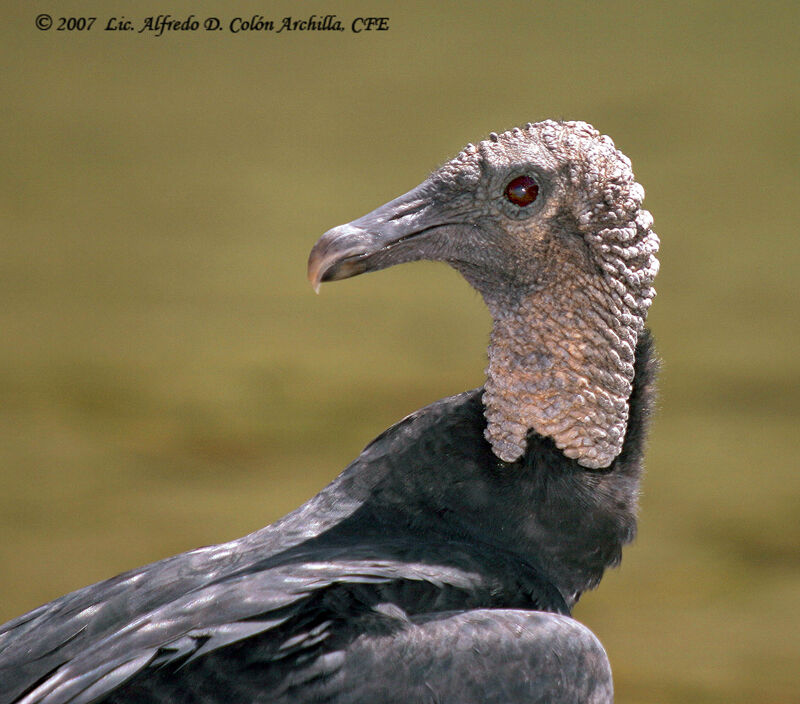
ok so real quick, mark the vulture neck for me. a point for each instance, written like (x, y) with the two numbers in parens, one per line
(561, 363)
(433, 480)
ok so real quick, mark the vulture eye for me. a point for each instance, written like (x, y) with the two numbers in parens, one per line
(522, 191)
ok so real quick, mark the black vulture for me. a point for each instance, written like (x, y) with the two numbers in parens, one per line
(443, 563)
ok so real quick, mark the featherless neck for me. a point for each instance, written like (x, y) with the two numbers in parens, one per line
(560, 363)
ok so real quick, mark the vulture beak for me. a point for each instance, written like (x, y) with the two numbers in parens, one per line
(389, 235)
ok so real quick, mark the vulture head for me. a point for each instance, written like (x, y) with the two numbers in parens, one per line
(546, 222)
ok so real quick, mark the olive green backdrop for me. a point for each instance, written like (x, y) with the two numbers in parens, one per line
(168, 379)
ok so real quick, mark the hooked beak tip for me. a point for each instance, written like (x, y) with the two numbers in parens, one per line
(319, 261)
(314, 275)
(336, 255)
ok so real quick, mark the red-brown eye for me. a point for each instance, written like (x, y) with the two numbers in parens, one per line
(522, 191)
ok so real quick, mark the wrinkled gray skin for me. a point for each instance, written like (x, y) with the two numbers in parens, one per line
(431, 569)
(567, 278)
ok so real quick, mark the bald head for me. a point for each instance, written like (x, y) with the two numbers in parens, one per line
(546, 223)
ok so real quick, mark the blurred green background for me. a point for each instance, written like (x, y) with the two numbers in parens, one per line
(168, 379)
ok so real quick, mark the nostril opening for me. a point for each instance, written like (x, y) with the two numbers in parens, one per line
(411, 209)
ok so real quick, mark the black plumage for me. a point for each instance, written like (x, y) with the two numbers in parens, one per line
(429, 570)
